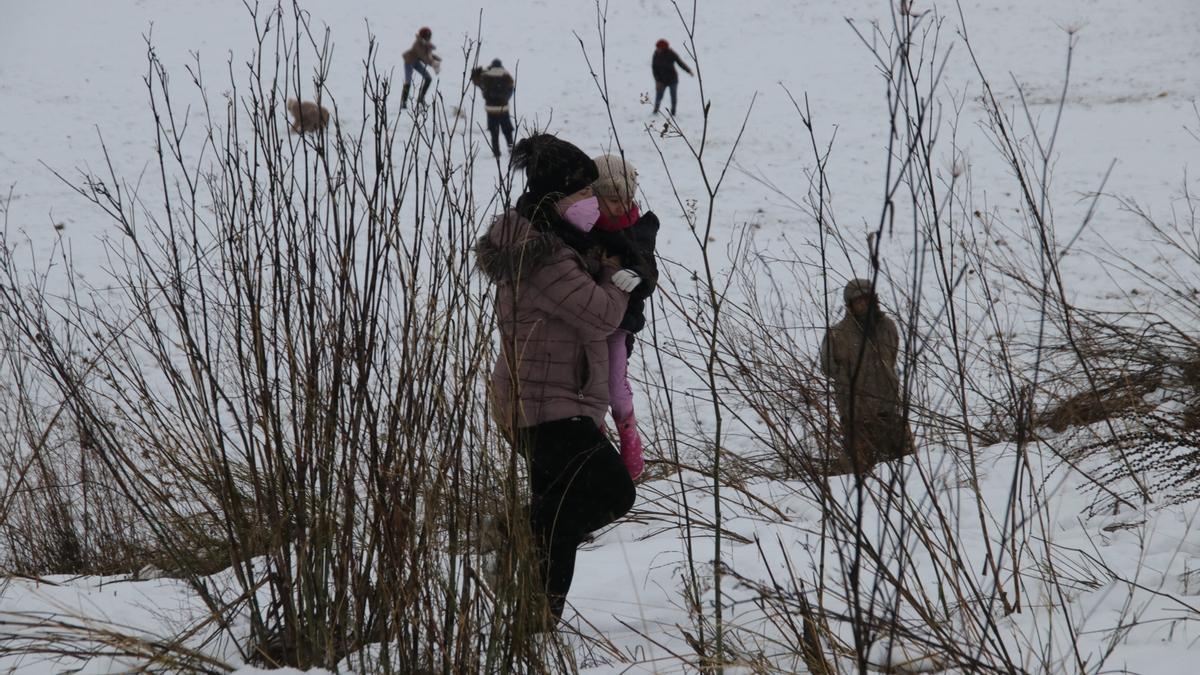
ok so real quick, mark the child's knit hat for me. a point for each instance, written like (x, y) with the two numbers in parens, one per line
(617, 180)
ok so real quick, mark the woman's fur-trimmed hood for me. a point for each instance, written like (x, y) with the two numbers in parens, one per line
(513, 247)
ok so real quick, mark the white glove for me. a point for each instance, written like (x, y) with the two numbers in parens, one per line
(626, 280)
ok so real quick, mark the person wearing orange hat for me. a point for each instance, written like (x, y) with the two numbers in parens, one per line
(665, 76)
(417, 58)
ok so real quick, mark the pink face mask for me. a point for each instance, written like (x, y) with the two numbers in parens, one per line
(583, 214)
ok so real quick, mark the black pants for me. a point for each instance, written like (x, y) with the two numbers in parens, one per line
(579, 485)
(659, 87)
(496, 122)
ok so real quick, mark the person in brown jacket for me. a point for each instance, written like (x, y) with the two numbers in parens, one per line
(416, 58)
(557, 301)
(858, 355)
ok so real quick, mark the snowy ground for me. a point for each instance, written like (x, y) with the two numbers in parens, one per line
(70, 69)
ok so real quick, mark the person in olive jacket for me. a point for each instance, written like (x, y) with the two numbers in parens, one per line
(558, 298)
(858, 355)
(662, 64)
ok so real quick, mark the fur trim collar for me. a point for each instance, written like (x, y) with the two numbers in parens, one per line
(512, 248)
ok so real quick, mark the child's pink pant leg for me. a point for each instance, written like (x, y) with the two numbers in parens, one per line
(620, 394)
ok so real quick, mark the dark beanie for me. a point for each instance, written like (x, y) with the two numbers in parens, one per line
(496, 63)
(553, 166)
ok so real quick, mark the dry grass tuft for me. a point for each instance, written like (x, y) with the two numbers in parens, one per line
(1115, 398)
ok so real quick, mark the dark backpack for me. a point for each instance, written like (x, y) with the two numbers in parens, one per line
(497, 87)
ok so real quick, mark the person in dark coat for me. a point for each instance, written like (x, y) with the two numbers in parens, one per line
(631, 237)
(416, 59)
(497, 85)
(858, 355)
(558, 298)
(662, 64)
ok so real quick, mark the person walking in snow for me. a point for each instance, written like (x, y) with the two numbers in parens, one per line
(662, 64)
(497, 85)
(417, 58)
(858, 355)
(630, 236)
(558, 299)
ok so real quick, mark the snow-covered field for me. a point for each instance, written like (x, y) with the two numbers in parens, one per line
(71, 71)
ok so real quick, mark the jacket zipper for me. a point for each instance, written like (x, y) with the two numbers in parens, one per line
(584, 371)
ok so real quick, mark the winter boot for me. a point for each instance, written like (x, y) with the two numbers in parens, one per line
(631, 446)
(404, 95)
(421, 96)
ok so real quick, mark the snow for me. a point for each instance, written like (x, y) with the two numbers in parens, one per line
(72, 70)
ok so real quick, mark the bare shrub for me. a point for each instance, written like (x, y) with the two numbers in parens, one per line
(1161, 446)
(287, 377)
(860, 601)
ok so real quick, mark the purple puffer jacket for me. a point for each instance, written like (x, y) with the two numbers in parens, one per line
(554, 318)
